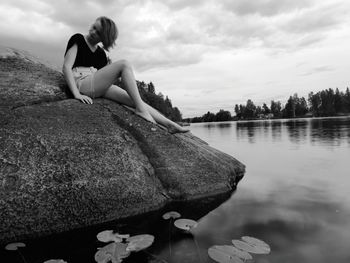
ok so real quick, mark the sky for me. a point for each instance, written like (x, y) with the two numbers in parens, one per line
(205, 55)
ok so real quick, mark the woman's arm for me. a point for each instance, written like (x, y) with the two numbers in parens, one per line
(68, 63)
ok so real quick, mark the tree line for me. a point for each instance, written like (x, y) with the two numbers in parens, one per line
(222, 115)
(327, 102)
(157, 101)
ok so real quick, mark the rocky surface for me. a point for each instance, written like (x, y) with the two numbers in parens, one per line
(66, 165)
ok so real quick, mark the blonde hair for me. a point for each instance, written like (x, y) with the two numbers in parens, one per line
(109, 32)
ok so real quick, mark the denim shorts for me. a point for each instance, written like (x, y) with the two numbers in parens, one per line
(84, 78)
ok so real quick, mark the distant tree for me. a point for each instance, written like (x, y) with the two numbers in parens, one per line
(151, 88)
(327, 102)
(324, 103)
(347, 100)
(289, 109)
(315, 103)
(250, 109)
(176, 115)
(147, 92)
(295, 107)
(238, 111)
(276, 109)
(242, 110)
(223, 115)
(196, 119)
(168, 102)
(339, 101)
(168, 106)
(266, 109)
(160, 95)
(259, 111)
(141, 85)
(208, 117)
(300, 106)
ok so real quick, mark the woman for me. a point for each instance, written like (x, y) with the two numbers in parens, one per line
(89, 75)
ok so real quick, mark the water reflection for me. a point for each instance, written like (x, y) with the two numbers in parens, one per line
(276, 130)
(295, 194)
(297, 130)
(221, 125)
(223, 128)
(248, 130)
(330, 131)
(300, 223)
(171, 245)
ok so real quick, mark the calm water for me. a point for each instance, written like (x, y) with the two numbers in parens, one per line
(296, 191)
(295, 196)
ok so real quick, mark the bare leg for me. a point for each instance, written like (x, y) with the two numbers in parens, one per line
(169, 124)
(119, 95)
(105, 77)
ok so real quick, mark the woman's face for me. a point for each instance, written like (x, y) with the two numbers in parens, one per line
(94, 32)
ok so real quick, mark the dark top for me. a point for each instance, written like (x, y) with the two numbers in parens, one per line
(85, 57)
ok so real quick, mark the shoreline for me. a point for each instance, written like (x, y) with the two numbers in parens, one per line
(268, 119)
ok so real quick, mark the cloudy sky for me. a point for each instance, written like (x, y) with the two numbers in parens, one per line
(205, 55)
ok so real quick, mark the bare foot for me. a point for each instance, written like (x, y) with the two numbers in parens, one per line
(145, 115)
(177, 129)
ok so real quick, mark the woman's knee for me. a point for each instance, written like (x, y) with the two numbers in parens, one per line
(124, 64)
(120, 66)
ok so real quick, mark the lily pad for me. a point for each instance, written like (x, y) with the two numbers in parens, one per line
(108, 236)
(114, 252)
(171, 214)
(14, 246)
(55, 261)
(223, 254)
(139, 242)
(185, 224)
(264, 247)
(247, 247)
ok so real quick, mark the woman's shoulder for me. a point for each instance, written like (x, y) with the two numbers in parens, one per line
(75, 39)
(77, 36)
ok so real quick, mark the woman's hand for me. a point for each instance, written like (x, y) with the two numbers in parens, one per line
(84, 99)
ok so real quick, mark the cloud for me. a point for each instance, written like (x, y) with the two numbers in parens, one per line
(319, 69)
(264, 7)
(37, 6)
(80, 14)
(173, 33)
(183, 32)
(181, 4)
(274, 25)
(30, 24)
(315, 19)
(163, 56)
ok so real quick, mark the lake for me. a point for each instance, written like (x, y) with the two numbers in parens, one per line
(296, 191)
(295, 196)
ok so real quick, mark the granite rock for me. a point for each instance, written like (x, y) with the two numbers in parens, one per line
(66, 165)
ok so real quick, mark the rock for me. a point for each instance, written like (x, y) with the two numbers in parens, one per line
(66, 165)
